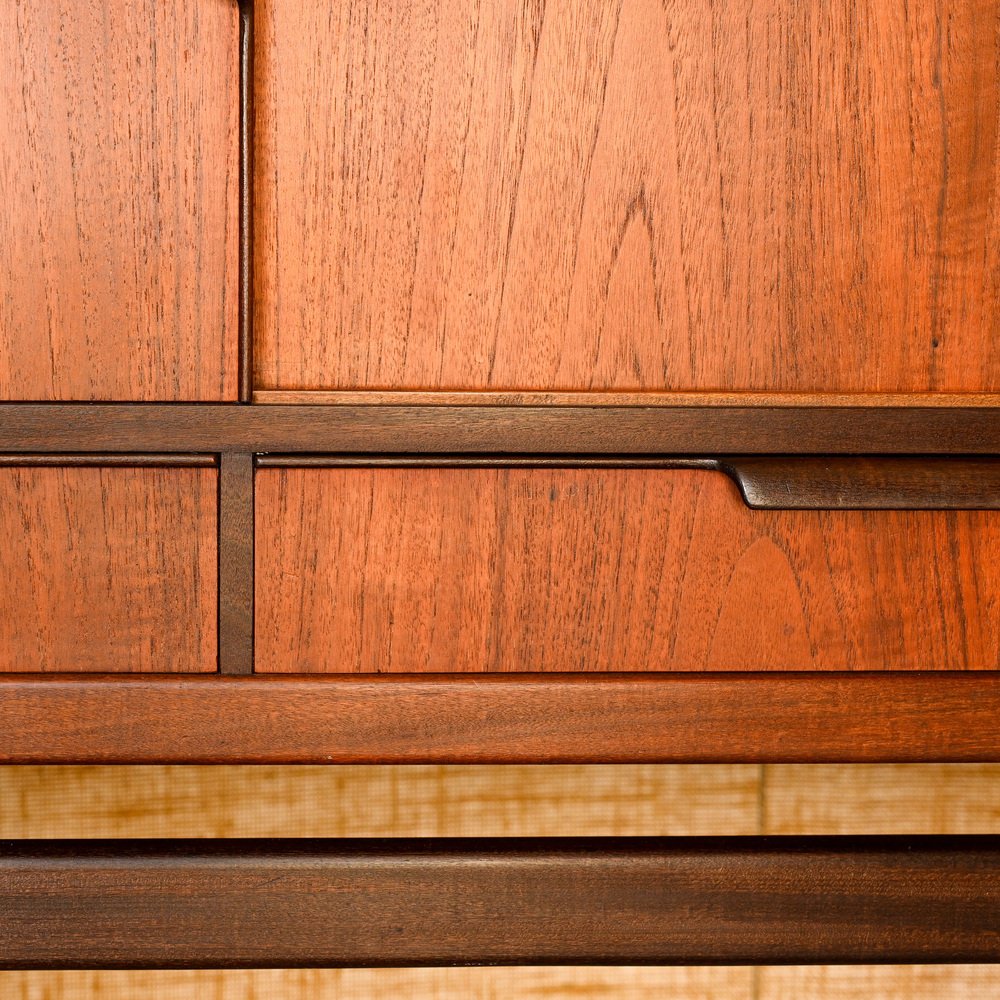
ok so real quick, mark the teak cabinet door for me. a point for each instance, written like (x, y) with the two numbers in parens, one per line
(108, 569)
(119, 192)
(628, 195)
(404, 570)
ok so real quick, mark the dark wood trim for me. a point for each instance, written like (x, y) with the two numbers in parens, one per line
(245, 362)
(566, 430)
(236, 563)
(118, 461)
(867, 483)
(620, 901)
(502, 718)
(766, 483)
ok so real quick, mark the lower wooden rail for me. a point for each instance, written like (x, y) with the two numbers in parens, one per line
(502, 718)
(299, 903)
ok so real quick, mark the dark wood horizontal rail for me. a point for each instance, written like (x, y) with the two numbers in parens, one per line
(502, 718)
(640, 430)
(244, 904)
(765, 482)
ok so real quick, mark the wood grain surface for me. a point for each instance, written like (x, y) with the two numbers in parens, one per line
(101, 802)
(838, 800)
(764, 482)
(108, 569)
(502, 430)
(467, 718)
(401, 570)
(519, 983)
(286, 903)
(236, 569)
(568, 195)
(119, 185)
(485, 397)
(408, 800)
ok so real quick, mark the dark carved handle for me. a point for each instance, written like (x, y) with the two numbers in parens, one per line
(840, 483)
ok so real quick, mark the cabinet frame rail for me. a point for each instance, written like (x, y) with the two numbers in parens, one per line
(775, 717)
(604, 901)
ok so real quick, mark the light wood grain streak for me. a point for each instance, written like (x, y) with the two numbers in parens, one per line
(119, 186)
(521, 983)
(107, 569)
(376, 569)
(529, 195)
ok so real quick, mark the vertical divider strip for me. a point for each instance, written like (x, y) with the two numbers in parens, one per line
(236, 563)
(245, 364)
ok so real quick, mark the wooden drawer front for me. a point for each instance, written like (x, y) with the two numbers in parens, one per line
(746, 194)
(108, 569)
(119, 187)
(474, 569)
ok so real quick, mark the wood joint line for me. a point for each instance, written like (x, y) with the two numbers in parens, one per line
(246, 197)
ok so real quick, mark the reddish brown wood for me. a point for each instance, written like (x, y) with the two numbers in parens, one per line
(477, 569)
(109, 569)
(765, 482)
(119, 185)
(748, 194)
(491, 718)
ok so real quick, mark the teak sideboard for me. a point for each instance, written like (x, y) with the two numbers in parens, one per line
(499, 381)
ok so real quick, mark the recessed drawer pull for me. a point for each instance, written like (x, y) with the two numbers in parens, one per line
(867, 483)
(765, 483)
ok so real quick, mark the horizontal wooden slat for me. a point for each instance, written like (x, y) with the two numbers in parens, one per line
(258, 903)
(526, 718)
(576, 430)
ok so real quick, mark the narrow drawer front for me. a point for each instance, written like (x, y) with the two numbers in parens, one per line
(479, 569)
(119, 188)
(108, 569)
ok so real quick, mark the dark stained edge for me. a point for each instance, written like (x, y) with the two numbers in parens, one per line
(117, 461)
(800, 483)
(246, 264)
(565, 430)
(236, 563)
(594, 901)
(777, 717)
